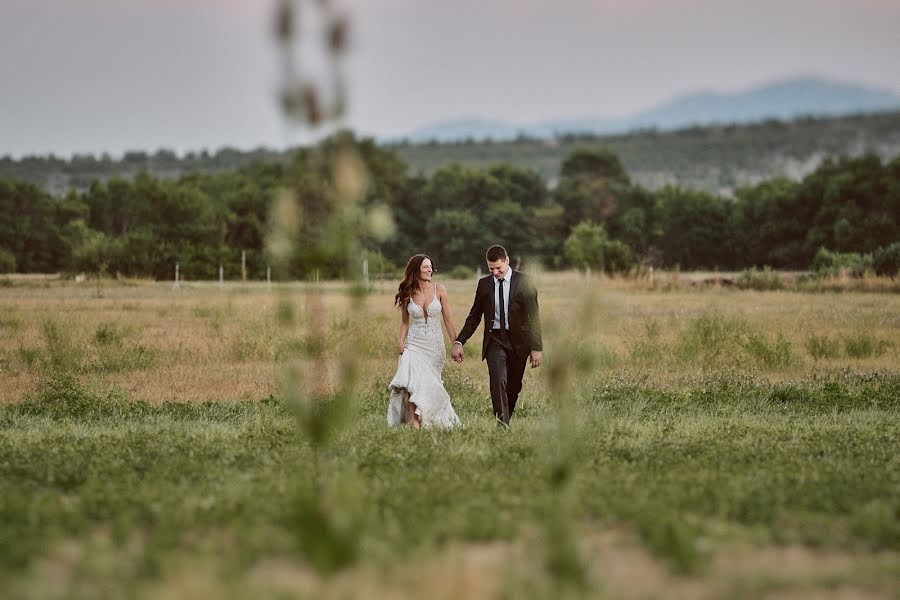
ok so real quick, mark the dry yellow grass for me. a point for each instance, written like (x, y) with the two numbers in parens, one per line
(213, 344)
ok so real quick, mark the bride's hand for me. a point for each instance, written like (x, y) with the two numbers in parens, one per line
(457, 353)
(402, 348)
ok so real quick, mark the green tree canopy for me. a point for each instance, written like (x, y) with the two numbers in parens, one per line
(695, 229)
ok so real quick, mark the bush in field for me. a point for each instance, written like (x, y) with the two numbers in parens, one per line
(831, 264)
(589, 247)
(379, 264)
(60, 395)
(108, 334)
(760, 279)
(710, 338)
(886, 260)
(647, 349)
(461, 272)
(769, 354)
(117, 359)
(714, 339)
(863, 345)
(618, 257)
(29, 356)
(115, 355)
(63, 395)
(63, 354)
(821, 346)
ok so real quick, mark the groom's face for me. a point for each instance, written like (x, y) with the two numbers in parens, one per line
(498, 268)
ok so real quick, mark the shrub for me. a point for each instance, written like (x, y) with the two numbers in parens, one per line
(821, 346)
(647, 349)
(109, 333)
(760, 279)
(62, 396)
(863, 345)
(114, 355)
(62, 353)
(461, 272)
(832, 264)
(777, 354)
(119, 359)
(710, 338)
(29, 356)
(618, 257)
(589, 247)
(886, 260)
(379, 265)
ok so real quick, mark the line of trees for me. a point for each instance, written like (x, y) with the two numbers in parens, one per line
(595, 216)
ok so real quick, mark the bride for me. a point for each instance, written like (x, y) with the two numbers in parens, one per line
(417, 391)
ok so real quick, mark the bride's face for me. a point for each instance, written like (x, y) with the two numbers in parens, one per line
(425, 270)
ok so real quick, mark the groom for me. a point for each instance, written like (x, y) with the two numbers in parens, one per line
(512, 330)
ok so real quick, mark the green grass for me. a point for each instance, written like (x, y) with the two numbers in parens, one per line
(766, 463)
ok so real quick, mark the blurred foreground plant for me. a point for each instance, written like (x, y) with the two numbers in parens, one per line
(569, 361)
(318, 378)
(303, 99)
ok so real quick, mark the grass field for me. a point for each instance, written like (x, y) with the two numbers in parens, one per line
(678, 442)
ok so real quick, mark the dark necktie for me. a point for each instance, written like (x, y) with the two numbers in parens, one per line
(502, 308)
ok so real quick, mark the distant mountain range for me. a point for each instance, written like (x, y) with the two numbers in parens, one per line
(782, 100)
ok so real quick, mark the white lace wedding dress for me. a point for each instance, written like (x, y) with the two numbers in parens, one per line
(418, 377)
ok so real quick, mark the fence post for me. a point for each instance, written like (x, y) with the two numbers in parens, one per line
(221, 277)
(243, 265)
(177, 284)
(269, 277)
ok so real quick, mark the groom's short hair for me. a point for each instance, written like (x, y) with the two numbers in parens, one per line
(496, 253)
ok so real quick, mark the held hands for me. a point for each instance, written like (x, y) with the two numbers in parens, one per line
(535, 358)
(457, 353)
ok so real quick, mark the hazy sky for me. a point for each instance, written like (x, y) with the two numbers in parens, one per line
(112, 75)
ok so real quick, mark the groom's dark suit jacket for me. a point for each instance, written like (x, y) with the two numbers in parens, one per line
(524, 317)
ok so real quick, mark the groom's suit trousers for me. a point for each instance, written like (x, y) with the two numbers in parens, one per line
(506, 370)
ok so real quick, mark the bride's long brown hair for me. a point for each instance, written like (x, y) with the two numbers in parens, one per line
(410, 281)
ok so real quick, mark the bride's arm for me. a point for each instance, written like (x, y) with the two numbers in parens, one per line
(445, 310)
(404, 329)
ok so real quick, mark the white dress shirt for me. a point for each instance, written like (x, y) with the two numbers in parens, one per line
(506, 288)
